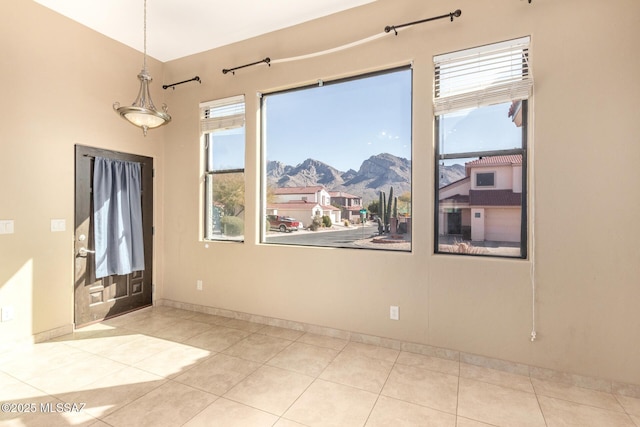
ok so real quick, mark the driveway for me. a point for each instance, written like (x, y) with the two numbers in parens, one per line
(337, 236)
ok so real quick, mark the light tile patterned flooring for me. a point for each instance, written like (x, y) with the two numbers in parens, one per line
(168, 367)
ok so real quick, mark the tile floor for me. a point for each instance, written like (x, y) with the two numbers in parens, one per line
(168, 367)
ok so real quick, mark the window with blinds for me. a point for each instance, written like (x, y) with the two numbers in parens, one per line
(482, 76)
(222, 126)
(480, 104)
(222, 114)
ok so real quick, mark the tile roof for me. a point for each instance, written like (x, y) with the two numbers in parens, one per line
(494, 198)
(294, 204)
(301, 204)
(298, 190)
(458, 198)
(343, 194)
(513, 159)
(460, 181)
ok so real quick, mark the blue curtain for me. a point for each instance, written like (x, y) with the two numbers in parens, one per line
(117, 217)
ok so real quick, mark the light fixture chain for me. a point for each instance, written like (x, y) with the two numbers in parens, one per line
(142, 113)
(144, 63)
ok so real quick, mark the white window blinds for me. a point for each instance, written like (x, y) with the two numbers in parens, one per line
(227, 113)
(482, 76)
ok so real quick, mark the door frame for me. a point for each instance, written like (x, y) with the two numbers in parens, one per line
(81, 200)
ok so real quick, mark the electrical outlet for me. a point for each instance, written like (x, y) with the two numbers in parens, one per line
(199, 285)
(8, 313)
(394, 312)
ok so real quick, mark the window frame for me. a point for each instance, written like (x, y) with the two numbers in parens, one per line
(208, 128)
(524, 226)
(523, 151)
(491, 174)
(263, 149)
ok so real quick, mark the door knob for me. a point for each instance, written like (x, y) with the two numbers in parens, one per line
(85, 251)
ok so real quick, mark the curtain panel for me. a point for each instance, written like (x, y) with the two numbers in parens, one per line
(117, 217)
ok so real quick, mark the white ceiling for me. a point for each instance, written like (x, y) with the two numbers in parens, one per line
(178, 28)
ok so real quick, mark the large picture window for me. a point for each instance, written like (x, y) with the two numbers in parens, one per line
(222, 125)
(337, 168)
(481, 109)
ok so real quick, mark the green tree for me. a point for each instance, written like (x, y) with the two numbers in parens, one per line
(228, 193)
(232, 225)
(271, 194)
(374, 207)
(404, 203)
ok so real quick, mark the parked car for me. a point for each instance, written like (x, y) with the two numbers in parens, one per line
(283, 223)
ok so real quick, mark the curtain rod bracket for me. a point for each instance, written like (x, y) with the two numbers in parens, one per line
(173, 85)
(450, 15)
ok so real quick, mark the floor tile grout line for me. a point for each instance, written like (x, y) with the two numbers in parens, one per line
(458, 393)
(497, 385)
(624, 408)
(203, 409)
(395, 361)
(544, 418)
(264, 364)
(588, 405)
(162, 382)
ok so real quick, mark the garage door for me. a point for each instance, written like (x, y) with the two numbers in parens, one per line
(502, 225)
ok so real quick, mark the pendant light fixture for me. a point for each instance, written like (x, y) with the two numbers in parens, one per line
(142, 112)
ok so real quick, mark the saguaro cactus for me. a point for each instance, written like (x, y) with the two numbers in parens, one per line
(388, 207)
(395, 207)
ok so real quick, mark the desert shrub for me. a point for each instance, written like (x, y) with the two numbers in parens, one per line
(462, 248)
(232, 225)
(316, 222)
(346, 223)
(326, 221)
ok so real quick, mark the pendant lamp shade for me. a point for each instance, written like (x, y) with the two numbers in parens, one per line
(142, 113)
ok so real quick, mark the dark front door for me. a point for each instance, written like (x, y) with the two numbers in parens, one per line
(454, 223)
(98, 299)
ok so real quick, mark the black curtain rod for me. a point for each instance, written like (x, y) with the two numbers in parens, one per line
(196, 78)
(394, 28)
(387, 29)
(266, 60)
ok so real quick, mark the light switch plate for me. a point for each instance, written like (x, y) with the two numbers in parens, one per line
(7, 313)
(6, 226)
(58, 225)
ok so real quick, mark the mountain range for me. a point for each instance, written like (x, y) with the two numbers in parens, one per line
(377, 173)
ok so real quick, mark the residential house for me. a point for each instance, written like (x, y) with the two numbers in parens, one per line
(303, 203)
(485, 205)
(350, 204)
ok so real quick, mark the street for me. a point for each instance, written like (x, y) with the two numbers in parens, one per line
(340, 238)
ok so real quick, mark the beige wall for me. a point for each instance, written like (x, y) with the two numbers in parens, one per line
(59, 81)
(583, 134)
(587, 258)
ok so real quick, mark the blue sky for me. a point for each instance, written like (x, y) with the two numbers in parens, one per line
(228, 150)
(478, 129)
(341, 124)
(345, 123)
